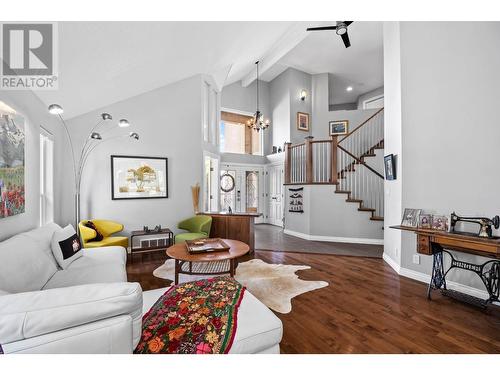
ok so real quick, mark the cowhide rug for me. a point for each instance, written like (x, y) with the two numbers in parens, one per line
(273, 284)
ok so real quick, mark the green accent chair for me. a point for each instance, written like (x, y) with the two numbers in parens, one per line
(197, 227)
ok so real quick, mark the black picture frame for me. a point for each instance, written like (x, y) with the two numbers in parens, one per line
(113, 157)
(390, 167)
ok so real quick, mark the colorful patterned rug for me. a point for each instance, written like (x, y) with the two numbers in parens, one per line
(197, 317)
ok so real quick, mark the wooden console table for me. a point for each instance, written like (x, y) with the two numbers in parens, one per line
(436, 243)
(234, 226)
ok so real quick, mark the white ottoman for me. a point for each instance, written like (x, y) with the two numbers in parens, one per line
(259, 331)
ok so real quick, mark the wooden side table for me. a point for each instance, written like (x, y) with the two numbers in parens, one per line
(147, 249)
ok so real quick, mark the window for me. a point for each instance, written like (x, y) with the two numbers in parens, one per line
(236, 137)
(46, 177)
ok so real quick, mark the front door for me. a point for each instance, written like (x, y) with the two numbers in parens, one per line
(241, 189)
(275, 195)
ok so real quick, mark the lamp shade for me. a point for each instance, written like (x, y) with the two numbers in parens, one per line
(123, 123)
(55, 109)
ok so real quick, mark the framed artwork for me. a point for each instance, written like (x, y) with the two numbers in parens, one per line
(138, 177)
(390, 167)
(303, 121)
(425, 221)
(339, 127)
(296, 200)
(410, 217)
(12, 162)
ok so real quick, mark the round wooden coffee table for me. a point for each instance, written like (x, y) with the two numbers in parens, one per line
(184, 260)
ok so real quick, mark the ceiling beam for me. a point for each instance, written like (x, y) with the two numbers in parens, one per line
(293, 36)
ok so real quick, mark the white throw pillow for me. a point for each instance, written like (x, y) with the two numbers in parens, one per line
(66, 246)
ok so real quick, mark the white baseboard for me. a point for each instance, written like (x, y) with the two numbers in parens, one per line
(391, 263)
(425, 278)
(311, 237)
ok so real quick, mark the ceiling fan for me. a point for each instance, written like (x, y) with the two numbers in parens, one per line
(340, 29)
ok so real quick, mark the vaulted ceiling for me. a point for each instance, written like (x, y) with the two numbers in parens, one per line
(104, 62)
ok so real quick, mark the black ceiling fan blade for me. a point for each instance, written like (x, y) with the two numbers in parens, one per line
(346, 40)
(321, 28)
(347, 23)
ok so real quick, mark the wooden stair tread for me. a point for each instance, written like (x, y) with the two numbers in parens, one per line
(366, 209)
(354, 200)
(377, 218)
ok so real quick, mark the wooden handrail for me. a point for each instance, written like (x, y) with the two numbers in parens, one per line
(362, 124)
(360, 161)
(297, 145)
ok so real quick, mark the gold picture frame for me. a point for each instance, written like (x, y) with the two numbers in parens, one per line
(303, 121)
(339, 127)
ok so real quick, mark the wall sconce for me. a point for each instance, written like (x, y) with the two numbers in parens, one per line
(303, 94)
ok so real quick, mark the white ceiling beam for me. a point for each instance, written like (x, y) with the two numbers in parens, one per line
(294, 35)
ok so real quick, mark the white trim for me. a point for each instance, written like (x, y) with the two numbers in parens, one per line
(394, 265)
(236, 111)
(372, 99)
(312, 237)
(425, 278)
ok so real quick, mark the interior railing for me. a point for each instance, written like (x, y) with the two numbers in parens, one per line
(341, 162)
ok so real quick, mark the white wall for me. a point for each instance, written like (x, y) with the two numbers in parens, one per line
(285, 103)
(449, 124)
(328, 216)
(392, 139)
(35, 113)
(280, 107)
(322, 114)
(168, 121)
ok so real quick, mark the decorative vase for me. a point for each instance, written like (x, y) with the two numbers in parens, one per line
(195, 194)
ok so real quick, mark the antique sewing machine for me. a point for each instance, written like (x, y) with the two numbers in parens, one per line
(484, 223)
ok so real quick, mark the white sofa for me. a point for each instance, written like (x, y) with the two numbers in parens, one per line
(90, 307)
(87, 308)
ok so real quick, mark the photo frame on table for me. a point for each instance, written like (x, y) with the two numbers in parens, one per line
(411, 217)
(390, 167)
(425, 221)
(303, 121)
(139, 177)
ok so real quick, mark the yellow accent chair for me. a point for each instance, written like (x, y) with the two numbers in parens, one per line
(106, 228)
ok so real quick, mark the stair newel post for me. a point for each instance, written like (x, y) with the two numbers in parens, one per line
(288, 162)
(309, 160)
(333, 162)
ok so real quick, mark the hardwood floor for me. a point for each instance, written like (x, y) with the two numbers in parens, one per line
(272, 237)
(367, 308)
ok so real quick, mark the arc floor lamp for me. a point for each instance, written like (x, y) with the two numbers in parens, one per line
(93, 140)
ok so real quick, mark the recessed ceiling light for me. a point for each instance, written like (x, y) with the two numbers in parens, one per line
(349, 88)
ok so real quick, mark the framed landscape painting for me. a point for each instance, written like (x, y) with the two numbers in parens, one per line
(339, 127)
(138, 177)
(12, 140)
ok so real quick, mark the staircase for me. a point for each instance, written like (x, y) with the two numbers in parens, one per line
(343, 163)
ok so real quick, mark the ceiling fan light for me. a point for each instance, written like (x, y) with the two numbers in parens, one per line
(134, 136)
(341, 29)
(106, 116)
(95, 136)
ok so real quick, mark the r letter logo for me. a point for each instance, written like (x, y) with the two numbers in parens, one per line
(28, 56)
